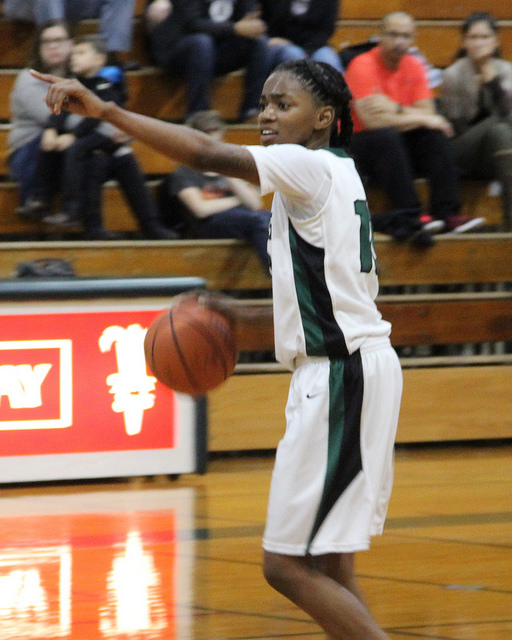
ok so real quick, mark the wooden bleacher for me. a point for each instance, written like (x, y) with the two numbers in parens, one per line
(464, 393)
(454, 396)
(437, 37)
(455, 347)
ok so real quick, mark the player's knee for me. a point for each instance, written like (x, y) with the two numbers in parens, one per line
(278, 571)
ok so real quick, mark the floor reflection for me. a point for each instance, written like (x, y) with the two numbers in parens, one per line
(100, 571)
(134, 593)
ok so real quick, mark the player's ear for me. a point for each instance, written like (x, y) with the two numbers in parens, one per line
(324, 117)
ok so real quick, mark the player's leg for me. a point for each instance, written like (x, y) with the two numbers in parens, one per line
(333, 605)
(341, 568)
(331, 485)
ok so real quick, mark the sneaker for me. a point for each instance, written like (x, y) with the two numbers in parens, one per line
(62, 219)
(463, 224)
(432, 225)
(32, 210)
(422, 239)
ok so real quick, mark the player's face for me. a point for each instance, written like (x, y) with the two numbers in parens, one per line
(85, 59)
(288, 113)
(55, 46)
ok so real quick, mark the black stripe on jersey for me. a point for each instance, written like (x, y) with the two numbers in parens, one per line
(323, 334)
(344, 448)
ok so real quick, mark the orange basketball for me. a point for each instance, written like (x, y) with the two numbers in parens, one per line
(191, 348)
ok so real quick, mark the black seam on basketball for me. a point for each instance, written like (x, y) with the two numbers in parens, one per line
(188, 372)
(153, 361)
(211, 338)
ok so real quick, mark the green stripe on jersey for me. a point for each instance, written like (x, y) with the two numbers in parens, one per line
(313, 334)
(344, 446)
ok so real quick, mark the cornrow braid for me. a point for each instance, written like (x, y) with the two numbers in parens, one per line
(329, 88)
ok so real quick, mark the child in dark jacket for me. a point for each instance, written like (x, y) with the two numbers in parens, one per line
(92, 150)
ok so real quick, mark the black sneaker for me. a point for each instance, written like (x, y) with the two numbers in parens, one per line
(422, 239)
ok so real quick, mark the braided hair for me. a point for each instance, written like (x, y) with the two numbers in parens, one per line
(328, 87)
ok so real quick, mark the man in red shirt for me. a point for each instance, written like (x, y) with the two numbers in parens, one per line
(398, 136)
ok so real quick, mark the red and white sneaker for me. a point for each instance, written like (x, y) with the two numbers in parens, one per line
(463, 224)
(430, 224)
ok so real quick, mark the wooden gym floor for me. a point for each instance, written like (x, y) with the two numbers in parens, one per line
(157, 558)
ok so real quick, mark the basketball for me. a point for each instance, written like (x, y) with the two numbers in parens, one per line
(192, 347)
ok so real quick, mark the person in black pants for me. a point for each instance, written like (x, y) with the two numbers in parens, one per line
(72, 151)
(201, 39)
(301, 28)
(398, 136)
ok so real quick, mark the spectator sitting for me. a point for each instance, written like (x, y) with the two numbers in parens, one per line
(208, 205)
(301, 28)
(116, 17)
(234, 39)
(180, 53)
(74, 150)
(29, 114)
(476, 97)
(398, 135)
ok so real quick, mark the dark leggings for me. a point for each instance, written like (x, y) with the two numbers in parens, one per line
(392, 160)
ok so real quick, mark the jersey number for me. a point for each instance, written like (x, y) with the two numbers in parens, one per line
(366, 249)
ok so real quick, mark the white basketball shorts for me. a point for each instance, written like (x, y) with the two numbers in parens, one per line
(333, 472)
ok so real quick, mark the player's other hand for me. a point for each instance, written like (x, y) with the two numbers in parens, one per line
(70, 95)
(213, 299)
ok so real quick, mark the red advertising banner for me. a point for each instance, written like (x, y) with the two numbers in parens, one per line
(77, 382)
(73, 381)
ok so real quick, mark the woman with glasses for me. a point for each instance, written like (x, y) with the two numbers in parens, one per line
(29, 113)
(477, 99)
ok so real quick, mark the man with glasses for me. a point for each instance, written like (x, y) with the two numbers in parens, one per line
(398, 136)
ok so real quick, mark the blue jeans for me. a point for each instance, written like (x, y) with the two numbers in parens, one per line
(22, 167)
(116, 16)
(286, 52)
(191, 58)
(232, 53)
(199, 58)
(240, 223)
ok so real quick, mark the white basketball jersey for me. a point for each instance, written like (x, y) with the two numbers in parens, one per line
(321, 249)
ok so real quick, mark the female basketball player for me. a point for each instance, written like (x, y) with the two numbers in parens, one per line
(333, 472)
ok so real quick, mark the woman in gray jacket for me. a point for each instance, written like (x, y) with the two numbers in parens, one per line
(29, 113)
(476, 97)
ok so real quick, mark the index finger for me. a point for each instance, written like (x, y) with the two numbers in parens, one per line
(45, 77)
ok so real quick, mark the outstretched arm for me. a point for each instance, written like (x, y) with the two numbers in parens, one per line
(187, 146)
